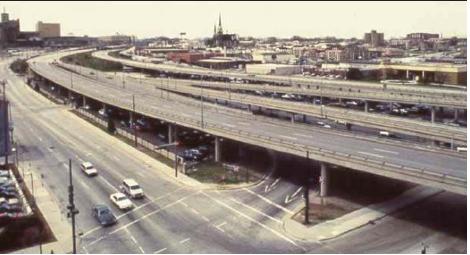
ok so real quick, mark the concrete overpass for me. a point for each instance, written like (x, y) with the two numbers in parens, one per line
(289, 80)
(424, 129)
(446, 171)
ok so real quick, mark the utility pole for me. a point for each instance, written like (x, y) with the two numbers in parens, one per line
(307, 202)
(202, 107)
(72, 210)
(176, 156)
(7, 124)
(133, 113)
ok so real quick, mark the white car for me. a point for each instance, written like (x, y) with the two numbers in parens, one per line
(121, 201)
(131, 188)
(326, 126)
(88, 168)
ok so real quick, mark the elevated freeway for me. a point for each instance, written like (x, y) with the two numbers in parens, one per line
(410, 164)
(295, 81)
(424, 129)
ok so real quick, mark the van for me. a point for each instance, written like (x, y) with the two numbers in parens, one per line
(131, 188)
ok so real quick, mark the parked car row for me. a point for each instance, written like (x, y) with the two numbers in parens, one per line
(11, 205)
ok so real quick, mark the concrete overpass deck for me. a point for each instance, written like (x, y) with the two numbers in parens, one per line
(423, 167)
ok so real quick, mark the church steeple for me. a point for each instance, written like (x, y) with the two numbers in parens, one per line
(220, 30)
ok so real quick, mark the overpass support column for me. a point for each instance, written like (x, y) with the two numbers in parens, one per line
(366, 106)
(304, 118)
(433, 114)
(423, 78)
(83, 101)
(171, 133)
(292, 118)
(105, 107)
(217, 149)
(324, 176)
(456, 114)
(407, 74)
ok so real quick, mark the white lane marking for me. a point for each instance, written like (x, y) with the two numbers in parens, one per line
(184, 204)
(97, 240)
(85, 249)
(160, 251)
(269, 201)
(116, 158)
(386, 151)
(271, 186)
(185, 240)
(219, 227)
(252, 220)
(186, 115)
(135, 241)
(152, 213)
(40, 139)
(370, 154)
(194, 211)
(109, 184)
(256, 210)
(205, 218)
(288, 137)
(290, 198)
(228, 125)
(303, 135)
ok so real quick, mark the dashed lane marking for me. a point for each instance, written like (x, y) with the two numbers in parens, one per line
(288, 137)
(160, 251)
(370, 154)
(109, 184)
(185, 240)
(386, 151)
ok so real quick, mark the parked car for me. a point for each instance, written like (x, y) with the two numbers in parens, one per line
(121, 201)
(88, 169)
(131, 188)
(103, 215)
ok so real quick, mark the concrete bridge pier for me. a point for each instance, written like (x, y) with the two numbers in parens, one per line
(292, 118)
(83, 101)
(324, 179)
(456, 114)
(217, 152)
(366, 106)
(433, 114)
(171, 133)
(105, 108)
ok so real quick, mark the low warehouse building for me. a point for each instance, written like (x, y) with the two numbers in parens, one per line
(273, 69)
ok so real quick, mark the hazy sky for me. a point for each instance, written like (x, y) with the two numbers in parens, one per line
(259, 19)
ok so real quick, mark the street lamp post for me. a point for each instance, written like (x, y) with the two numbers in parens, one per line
(202, 106)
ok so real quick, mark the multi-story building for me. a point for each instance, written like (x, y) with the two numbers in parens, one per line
(9, 30)
(47, 30)
(374, 39)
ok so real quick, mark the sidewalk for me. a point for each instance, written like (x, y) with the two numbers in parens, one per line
(61, 228)
(356, 219)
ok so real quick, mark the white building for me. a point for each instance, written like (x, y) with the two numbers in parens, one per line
(276, 69)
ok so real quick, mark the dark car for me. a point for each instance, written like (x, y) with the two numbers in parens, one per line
(104, 215)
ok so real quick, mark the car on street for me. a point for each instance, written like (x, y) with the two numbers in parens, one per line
(88, 169)
(131, 188)
(103, 215)
(121, 201)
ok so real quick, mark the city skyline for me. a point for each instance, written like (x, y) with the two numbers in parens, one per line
(280, 19)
